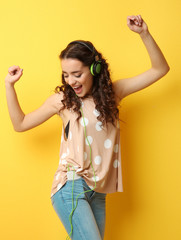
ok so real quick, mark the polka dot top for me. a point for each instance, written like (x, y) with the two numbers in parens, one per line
(75, 151)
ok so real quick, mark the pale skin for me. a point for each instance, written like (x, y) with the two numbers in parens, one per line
(122, 87)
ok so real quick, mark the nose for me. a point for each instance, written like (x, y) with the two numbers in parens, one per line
(71, 80)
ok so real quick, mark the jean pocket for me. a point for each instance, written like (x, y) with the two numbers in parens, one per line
(58, 192)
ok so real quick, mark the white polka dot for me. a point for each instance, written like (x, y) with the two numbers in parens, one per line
(116, 147)
(57, 176)
(97, 178)
(59, 186)
(70, 135)
(116, 163)
(64, 155)
(82, 121)
(102, 184)
(96, 113)
(90, 140)
(97, 160)
(99, 126)
(64, 161)
(85, 156)
(107, 143)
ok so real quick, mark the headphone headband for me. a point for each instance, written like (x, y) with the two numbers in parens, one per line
(85, 44)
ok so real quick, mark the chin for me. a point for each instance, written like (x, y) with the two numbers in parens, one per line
(81, 94)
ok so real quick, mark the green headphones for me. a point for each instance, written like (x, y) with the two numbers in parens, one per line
(95, 67)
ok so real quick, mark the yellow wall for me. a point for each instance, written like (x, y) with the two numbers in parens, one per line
(33, 34)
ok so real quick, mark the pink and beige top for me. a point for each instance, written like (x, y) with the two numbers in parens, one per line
(75, 151)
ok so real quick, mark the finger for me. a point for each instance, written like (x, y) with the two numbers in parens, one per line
(20, 72)
(140, 20)
(139, 16)
(12, 69)
(131, 20)
(137, 20)
(131, 17)
(128, 20)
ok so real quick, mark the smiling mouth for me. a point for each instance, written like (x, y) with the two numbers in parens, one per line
(78, 89)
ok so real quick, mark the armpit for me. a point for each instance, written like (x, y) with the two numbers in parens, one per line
(57, 101)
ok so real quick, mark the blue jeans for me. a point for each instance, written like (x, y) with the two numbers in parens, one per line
(88, 219)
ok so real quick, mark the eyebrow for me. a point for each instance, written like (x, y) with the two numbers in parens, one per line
(72, 72)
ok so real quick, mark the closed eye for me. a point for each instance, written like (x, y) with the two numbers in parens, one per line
(75, 76)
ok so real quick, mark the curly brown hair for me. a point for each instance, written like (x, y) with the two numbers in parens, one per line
(102, 91)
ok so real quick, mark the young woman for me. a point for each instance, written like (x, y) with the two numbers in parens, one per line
(87, 102)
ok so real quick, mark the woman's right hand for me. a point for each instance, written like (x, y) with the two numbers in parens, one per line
(14, 74)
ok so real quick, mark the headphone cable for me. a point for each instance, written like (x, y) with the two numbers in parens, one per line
(73, 209)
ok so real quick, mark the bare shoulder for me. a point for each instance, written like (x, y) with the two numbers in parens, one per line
(54, 101)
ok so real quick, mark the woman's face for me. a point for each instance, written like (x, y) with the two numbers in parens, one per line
(77, 76)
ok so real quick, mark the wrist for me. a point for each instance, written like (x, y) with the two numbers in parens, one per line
(9, 85)
(144, 33)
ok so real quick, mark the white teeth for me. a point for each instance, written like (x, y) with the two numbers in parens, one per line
(76, 87)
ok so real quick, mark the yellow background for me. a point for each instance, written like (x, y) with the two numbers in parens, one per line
(33, 33)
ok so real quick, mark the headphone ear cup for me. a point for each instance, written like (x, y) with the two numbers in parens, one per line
(92, 69)
(95, 68)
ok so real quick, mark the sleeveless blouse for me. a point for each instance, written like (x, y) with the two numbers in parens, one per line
(75, 155)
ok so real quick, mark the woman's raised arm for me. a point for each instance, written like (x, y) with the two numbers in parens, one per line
(159, 65)
(20, 121)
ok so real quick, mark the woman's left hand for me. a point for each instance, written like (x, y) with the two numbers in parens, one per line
(136, 24)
